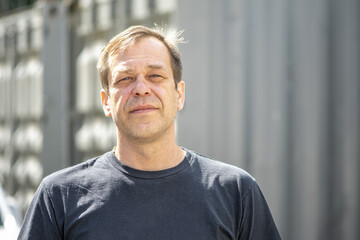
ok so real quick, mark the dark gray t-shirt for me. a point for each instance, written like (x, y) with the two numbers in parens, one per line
(104, 199)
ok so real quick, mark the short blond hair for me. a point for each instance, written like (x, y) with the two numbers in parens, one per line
(132, 35)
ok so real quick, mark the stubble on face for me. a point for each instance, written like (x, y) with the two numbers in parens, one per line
(140, 125)
(147, 128)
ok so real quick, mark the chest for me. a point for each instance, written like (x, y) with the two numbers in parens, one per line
(152, 210)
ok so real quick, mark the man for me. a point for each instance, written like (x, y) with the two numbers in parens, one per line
(147, 187)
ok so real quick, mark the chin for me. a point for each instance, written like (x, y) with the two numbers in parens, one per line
(150, 134)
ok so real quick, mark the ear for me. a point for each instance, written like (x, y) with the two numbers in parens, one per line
(181, 95)
(105, 101)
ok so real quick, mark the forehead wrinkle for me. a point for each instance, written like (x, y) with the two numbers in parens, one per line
(123, 68)
(127, 67)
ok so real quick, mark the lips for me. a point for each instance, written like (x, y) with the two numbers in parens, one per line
(143, 109)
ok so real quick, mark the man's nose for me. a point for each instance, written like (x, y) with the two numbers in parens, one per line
(141, 87)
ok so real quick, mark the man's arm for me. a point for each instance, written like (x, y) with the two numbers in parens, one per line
(40, 220)
(257, 222)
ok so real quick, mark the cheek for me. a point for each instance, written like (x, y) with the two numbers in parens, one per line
(158, 94)
(171, 100)
(117, 100)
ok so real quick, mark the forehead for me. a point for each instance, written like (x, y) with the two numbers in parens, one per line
(148, 51)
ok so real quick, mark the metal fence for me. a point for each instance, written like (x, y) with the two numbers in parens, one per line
(50, 111)
(274, 87)
(21, 81)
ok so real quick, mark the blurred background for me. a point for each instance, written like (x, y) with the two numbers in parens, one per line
(271, 86)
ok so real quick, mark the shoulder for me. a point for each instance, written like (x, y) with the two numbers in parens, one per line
(75, 174)
(222, 173)
(214, 166)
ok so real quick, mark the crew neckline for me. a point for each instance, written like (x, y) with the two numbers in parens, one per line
(115, 162)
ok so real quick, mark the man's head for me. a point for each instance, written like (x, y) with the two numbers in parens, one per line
(142, 86)
(131, 36)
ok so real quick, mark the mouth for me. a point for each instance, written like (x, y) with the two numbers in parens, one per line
(143, 109)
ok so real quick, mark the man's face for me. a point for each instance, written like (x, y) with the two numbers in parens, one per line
(142, 97)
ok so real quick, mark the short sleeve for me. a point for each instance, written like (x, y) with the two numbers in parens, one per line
(257, 221)
(40, 219)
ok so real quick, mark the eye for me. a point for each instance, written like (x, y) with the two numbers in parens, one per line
(125, 78)
(155, 76)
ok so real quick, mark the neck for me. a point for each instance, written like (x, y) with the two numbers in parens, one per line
(149, 156)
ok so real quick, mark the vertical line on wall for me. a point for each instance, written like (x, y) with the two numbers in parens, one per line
(210, 86)
(333, 174)
(248, 86)
(357, 154)
(226, 100)
(289, 123)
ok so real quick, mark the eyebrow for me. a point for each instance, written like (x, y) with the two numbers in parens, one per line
(130, 70)
(155, 66)
(123, 69)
